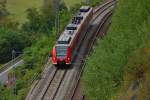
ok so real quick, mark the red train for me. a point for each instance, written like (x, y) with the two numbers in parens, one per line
(67, 44)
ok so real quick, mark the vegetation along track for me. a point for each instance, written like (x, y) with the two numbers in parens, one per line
(77, 92)
(62, 84)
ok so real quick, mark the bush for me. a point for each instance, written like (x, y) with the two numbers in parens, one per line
(104, 71)
(10, 40)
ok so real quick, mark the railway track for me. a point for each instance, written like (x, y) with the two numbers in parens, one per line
(63, 84)
(11, 63)
(54, 85)
(39, 88)
(106, 3)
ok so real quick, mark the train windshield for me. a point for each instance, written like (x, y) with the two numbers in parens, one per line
(61, 51)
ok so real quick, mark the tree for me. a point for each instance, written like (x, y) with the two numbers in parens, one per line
(10, 40)
(3, 11)
(42, 22)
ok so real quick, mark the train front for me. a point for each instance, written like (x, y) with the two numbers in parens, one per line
(61, 55)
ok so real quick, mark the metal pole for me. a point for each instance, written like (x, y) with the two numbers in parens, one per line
(14, 77)
(57, 22)
(56, 25)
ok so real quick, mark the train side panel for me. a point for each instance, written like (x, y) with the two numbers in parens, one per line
(81, 31)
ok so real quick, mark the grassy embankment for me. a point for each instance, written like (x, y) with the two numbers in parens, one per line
(116, 61)
(1, 65)
(17, 8)
(71, 3)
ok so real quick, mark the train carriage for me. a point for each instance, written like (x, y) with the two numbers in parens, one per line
(68, 42)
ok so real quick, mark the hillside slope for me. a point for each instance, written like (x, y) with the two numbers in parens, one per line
(129, 31)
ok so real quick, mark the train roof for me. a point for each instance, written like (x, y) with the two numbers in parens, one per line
(64, 39)
(84, 8)
(71, 29)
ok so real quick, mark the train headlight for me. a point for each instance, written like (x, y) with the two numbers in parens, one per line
(54, 59)
(68, 59)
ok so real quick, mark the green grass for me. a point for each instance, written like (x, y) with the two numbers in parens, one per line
(1, 65)
(18, 8)
(136, 70)
(71, 3)
(129, 31)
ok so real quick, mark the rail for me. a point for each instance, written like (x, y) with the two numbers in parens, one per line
(96, 9)
(10, 63)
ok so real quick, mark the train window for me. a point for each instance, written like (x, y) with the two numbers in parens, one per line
(71, 32)
(79, 17)
(84, 9)
(64, 39)
(61, 51)
(71, 27)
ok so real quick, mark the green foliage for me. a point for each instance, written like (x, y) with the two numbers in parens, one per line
(6, 93)
(17, 8)
(4, 13)
(34, 20)
(42, 22)
(94, 3)
(38, 23)
(104, 70)
(136, 70)
(8, 23)
(71, 3)
(10, 40)
(3, 10)
(39, 52)
(137, 67)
